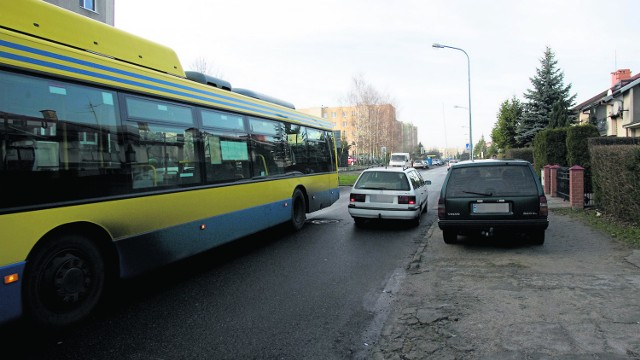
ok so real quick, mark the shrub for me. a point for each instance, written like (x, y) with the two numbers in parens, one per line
(616, 178)
(578, 146)
(520, 153)
(550, 148)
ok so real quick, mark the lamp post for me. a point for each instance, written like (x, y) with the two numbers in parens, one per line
(440, 46)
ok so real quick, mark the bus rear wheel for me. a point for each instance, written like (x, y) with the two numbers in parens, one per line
(64, 281)
(299, 210)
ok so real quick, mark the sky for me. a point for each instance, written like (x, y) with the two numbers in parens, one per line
(309, 52)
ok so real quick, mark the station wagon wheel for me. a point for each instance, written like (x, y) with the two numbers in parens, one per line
(450, 236)
(537, 237)
(64, 281)
(299, 210)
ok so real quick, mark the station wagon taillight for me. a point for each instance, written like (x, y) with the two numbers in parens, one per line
(441, 209)
(357, 198)
(403, 199)
(544, 209)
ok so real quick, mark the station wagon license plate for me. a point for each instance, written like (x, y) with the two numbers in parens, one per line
(485, 208)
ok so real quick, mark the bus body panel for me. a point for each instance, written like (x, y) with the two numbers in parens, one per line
(146, 214)
(11, 294)
(179, 242)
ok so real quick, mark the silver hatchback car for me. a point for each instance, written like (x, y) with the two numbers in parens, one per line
(389, 193)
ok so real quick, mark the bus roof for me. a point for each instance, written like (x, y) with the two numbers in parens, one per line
(47, 21)
(96, 54)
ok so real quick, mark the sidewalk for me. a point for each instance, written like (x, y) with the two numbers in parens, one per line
(573, 298)
(557, 202)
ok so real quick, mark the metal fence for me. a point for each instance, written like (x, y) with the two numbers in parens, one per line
(563, 184)
(589, 200)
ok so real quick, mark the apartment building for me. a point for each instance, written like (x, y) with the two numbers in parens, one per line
(369, 130)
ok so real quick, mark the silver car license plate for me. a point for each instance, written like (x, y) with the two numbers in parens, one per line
(388, 199)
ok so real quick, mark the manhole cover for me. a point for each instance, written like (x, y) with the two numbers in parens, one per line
(325, 221)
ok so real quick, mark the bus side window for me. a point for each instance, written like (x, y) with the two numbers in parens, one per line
(144, 176)
(226, 156)
(162, 156)
(19, 158)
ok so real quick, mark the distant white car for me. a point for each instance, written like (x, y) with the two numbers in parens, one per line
(400, 159)
(436, 162)
(420, 164)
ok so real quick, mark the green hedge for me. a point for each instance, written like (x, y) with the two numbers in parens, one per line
(550, 148)
(520, 153)
(616, 177)
(578, 144)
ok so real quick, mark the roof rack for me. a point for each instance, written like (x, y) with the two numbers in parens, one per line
(208, 80)
(259, 96)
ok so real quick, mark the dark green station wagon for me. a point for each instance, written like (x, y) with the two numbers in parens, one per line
(490, 197)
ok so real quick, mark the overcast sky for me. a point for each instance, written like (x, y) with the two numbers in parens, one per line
(308, 52)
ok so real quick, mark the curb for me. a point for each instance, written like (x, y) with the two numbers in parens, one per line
(417, 257)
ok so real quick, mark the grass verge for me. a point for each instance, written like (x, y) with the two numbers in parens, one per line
(625, 232)
(347, 179)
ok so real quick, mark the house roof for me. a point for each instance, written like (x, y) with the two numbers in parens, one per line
(590, 102)
(619, 87)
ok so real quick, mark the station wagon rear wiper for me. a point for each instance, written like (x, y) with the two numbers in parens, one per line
(478, 193)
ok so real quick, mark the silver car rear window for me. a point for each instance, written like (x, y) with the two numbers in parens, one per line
(381, 180)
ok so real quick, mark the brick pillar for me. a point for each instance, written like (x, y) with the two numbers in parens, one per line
(547, 179)
(553, 176)
(576, 187)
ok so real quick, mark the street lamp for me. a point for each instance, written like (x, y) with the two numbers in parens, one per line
(440, 46)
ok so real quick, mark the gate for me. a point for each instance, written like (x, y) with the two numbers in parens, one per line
(563, 186)
(589, 200)
(562, 183)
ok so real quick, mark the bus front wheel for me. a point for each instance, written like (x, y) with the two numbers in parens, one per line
(64, 281)
(299, 210)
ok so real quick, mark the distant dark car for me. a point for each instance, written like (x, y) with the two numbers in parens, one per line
(489, 197)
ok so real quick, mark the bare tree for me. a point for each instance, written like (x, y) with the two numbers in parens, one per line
(201, 65)
(375, 120)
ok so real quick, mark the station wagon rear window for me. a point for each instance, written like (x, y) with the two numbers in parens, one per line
(491, 181)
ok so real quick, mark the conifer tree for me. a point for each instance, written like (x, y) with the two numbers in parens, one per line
(548, 91)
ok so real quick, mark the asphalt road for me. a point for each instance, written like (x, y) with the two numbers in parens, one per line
(322, 293)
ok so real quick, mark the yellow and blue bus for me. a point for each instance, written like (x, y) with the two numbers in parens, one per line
(115, 161)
